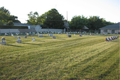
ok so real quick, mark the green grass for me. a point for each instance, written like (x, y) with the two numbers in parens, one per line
(63, 58)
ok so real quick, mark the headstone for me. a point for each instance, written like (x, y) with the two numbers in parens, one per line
(107, 39)
(33, 39)
(29, 32)
(41, 35)
(18, 40)
(12, 35)
(3, 41)
(54, 37)
(25, 36)
(51, 35)
(90, 34)
(69, 35)
(16, 33)
(110, 38)
(6, 34)
(80, 35)
(48, 34)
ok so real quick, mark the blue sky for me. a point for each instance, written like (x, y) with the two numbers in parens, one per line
(107, 9)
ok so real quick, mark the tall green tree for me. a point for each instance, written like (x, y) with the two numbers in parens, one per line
(78, 22)
(6, 18)
(95, 23)
(33, 18)
(41, 19)
(54, 19)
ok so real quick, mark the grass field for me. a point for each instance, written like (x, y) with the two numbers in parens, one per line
(63, 58)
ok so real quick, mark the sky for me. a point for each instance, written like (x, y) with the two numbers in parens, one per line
(107, 9)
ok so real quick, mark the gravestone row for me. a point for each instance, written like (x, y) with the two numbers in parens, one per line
(111, 38)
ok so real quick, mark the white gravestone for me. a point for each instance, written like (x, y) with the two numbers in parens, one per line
(6, 34)
(18, 40)
(12, 35)
(33, 39)
(3, 41)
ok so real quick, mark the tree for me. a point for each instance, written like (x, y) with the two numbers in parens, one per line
(6, 18)
(78, 22)
(54, 19)
(95, 23)
(33, 18)
(5, 10)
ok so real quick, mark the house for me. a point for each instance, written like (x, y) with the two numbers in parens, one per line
(29, 26)
(111, 29)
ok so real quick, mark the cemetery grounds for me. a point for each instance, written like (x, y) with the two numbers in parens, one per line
(63, 58)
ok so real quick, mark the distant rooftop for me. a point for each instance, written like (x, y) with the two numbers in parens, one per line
(21, 24)
(113, 26)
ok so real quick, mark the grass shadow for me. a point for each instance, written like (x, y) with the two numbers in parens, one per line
(13, 45)
(31, 43)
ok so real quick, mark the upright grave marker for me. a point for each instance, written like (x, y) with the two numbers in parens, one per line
(51, 35)
(80, 35)
(69, 35)
(33, 39)
(54, 37)
(25, 36)
(3, 41)
(12, 34)
(18, 40)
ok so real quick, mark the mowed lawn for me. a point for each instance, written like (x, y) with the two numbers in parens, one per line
(63, 58)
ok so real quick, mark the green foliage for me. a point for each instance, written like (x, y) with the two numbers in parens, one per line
(78, 22)
(50, 19)
(54, 19)
(32, 18)
(93, 23)
(6, 18)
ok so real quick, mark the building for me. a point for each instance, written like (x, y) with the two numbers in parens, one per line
(111, 29)
(29, 26)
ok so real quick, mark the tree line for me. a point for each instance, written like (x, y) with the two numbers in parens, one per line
(6, 17)
(53, 19)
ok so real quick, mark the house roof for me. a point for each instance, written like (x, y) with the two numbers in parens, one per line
(21, 24)
(113, 26)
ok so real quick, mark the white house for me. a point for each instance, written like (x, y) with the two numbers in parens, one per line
(111, 29)
(29, 26)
